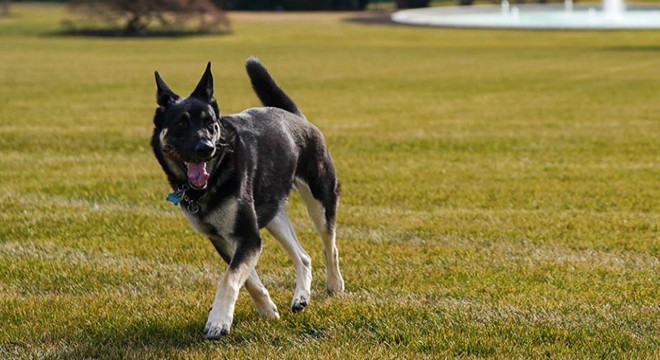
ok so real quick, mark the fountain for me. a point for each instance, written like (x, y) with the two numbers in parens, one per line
(568, 6)
(612, 15)
(613, 9)
(515, 14)
(505, 7)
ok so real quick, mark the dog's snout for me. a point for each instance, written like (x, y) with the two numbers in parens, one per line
(204, 148)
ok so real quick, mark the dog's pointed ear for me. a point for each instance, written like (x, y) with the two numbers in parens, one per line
(164, 96)
(204, 90)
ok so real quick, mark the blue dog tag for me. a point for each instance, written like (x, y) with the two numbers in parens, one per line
(174, 198)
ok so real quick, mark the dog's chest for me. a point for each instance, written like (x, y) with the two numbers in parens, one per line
(219, 221)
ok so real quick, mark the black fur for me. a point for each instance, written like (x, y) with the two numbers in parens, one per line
(267, 90)
(257, 158)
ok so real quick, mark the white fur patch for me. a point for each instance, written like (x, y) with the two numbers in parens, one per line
(224, 217)
(333, 280)
(161, 137)
(221, 219)
(280, 227)
(265, 305)
(222, 311)
(176, 168)
(314, 207)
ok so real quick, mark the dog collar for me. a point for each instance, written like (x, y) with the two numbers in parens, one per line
(184, 192)
(180, 196)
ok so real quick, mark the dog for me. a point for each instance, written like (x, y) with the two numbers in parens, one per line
(231, 175)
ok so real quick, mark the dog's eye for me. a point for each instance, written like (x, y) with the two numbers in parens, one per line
(183, 120)
(182, 123)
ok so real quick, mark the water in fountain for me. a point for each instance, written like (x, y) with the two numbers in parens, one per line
(515, 14)
(505, 7)
(568, 5)
(613, 8)
(613, 15)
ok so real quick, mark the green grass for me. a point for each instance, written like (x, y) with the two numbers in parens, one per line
(501, 193)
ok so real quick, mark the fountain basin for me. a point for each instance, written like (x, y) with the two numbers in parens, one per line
(532, 17)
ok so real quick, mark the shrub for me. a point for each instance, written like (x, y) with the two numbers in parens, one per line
(408, 4)
(139, 16)
(293, 4)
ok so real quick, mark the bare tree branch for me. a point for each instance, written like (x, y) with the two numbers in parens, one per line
(5, 8)
(136, 16)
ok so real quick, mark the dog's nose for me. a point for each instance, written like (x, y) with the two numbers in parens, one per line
(204, 148)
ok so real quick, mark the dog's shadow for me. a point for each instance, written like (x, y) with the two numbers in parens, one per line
(153, 338)
(143, 339)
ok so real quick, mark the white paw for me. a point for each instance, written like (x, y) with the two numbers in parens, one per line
(269, 310)
(299, 301)
(217, 325)
(215, 331)
(334, 284)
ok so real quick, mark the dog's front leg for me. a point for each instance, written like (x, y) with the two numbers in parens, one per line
(222, 311)
(241, 265)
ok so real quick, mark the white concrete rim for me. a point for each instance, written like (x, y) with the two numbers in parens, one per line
(530, 17)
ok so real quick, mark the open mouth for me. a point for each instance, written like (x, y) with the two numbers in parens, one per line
(197, 174)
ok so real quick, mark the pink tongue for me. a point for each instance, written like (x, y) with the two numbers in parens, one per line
(197, 174)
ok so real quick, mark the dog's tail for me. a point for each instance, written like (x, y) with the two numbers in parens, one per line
(266, 88)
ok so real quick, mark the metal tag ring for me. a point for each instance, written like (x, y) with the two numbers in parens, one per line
(193, 208)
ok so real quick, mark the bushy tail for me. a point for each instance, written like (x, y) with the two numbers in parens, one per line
(266, 88)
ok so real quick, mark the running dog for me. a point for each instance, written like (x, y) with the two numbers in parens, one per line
(231, 175)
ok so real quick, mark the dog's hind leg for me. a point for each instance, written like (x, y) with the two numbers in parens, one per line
(280, 227)
(258, 292)
(322, 211)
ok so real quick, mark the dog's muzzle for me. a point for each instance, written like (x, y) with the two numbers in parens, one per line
(204, 149)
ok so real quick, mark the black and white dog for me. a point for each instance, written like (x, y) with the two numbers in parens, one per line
(232, 175)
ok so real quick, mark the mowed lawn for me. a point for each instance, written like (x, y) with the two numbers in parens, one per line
(501, 193)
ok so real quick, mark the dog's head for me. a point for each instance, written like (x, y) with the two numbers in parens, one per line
(188, 129)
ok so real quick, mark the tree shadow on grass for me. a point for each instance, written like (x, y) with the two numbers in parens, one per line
(373, 18)
(120, 33)
(633, 48)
